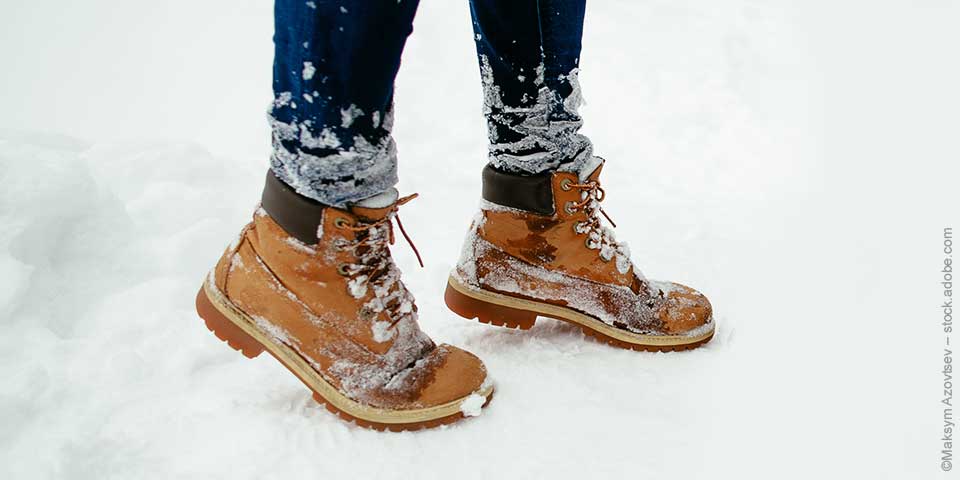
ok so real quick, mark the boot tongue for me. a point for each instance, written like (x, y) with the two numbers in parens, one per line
(591, 170)
(372, 209)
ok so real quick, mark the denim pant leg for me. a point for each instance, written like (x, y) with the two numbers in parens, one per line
(529, 51)
(333, 76)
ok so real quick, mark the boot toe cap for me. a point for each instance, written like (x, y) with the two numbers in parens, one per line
(459, 374)
(684, 309)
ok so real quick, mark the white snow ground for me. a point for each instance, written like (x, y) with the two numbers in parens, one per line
(795, 161)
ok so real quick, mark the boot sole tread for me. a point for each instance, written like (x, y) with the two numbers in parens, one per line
(502, 310)
(229, 324)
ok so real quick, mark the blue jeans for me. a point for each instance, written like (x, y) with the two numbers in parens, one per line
(334, 69)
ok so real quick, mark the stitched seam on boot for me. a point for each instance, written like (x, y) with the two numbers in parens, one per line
(558, 272)
(489, 244)
(296, 298)
(310, 359)
(229, 258)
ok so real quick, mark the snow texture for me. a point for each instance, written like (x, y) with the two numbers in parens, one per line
(810, 216)
(405, 359)
(601, 237)
(380, 200)
(391, 300)
(278, 333)
(472, 406)
(308, 70)
(362, 374)
(339, 178)
(298, 245)
(348, 115)
(516, 276)
(553, 143)
(589, 166)
(382, 331)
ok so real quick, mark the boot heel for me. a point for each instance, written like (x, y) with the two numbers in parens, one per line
(484, 312)
(226, 330)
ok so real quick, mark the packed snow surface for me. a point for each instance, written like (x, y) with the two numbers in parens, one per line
(795, 161)
(473, 405)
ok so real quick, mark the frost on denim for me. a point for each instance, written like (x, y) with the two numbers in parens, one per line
(334, 171)
(333, 74)
(529, 54)
(538, 135)
(334, 69)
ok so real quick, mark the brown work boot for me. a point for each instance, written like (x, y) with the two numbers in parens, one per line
(537, 249)
(316, 287)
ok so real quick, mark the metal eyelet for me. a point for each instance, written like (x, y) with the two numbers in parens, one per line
(341, 222)
(587, 242)
(565, 184)
(568, 207)
(576, 228)
(342, 269)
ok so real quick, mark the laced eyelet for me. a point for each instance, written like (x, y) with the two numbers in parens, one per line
(341, 222)
(576, 228)
(565, 184)
(342, 269)
(568, 207)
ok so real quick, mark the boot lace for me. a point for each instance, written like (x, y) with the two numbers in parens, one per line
(599, 237)
(374, 267)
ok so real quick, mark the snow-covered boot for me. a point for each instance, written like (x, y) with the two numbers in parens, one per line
(537, 248)
(316, 287)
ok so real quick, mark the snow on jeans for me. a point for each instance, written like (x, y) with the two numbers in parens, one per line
(333, 75)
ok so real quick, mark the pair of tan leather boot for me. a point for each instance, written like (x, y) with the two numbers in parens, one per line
(316, 287)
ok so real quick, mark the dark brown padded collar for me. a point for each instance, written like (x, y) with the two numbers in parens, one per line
(532, 193)
(298, 215)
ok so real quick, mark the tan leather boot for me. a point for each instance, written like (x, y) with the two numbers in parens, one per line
(315, 286)
(537, 248)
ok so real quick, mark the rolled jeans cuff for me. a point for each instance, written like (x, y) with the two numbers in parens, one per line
(339, 178)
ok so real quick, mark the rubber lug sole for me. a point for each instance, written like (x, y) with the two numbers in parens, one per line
(489, 313)
(238, 339)
(508, 312)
